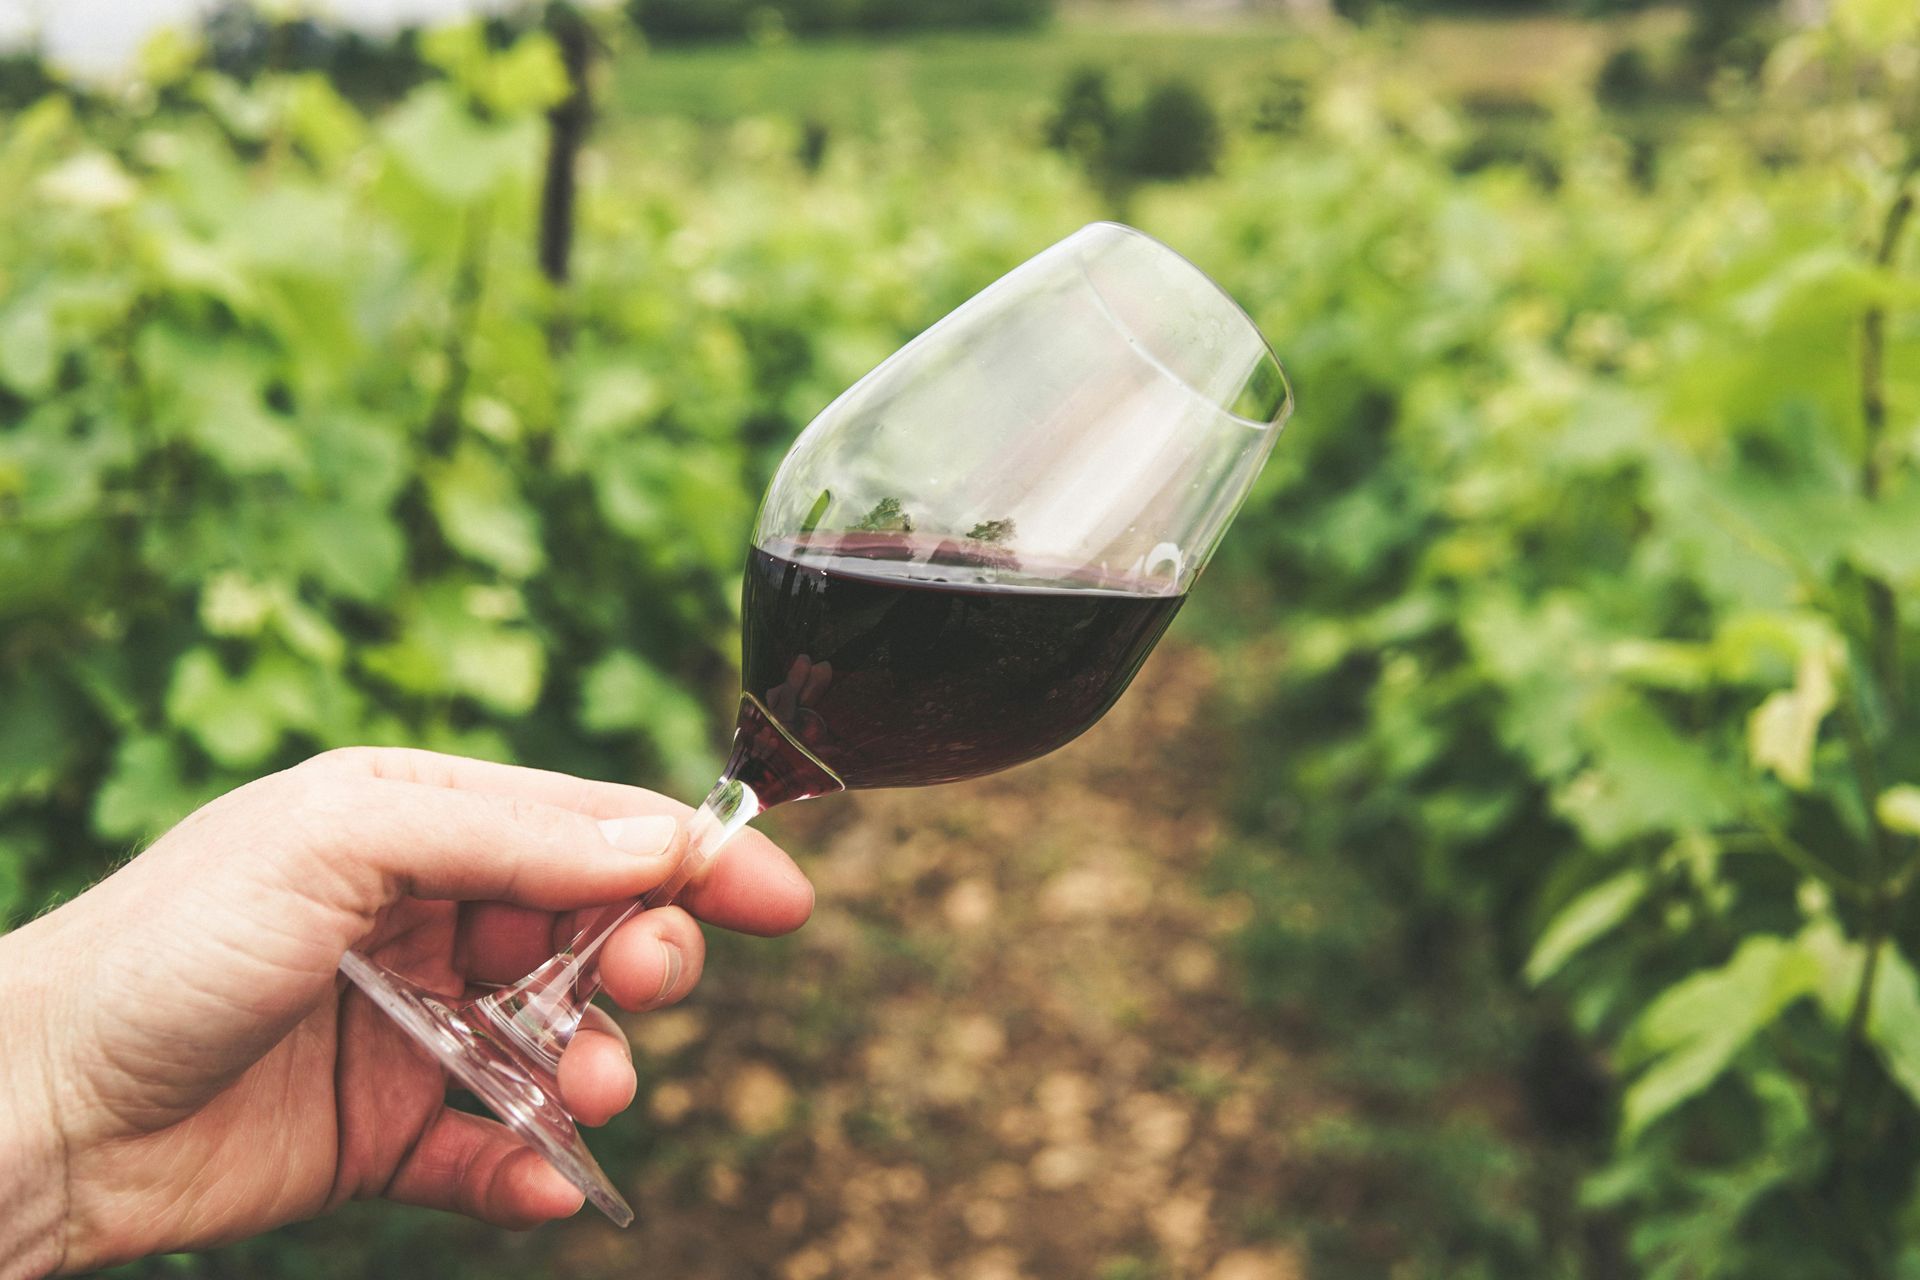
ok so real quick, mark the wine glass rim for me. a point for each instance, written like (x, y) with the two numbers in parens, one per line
(1285, 407)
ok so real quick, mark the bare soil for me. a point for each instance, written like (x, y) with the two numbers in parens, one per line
(1010, 1043)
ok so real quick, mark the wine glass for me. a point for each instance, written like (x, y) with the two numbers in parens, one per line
(959, 566)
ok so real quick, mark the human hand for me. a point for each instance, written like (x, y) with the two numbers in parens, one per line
(184, 1065)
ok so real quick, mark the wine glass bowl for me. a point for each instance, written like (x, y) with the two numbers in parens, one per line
(959, 566)
(964, 559)
(1103, 406)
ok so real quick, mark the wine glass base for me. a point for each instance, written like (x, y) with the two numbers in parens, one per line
(518, 1089)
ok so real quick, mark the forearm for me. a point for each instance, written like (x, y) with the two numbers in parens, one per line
(33, 1183)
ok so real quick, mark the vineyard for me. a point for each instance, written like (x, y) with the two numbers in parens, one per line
(1545, 731)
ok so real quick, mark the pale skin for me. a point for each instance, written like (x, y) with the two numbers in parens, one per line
(181, 1065)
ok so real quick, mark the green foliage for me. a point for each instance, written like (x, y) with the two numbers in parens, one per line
(1597, 645)
(1084, 123)
(1594, 538)
(991, 531)
(1415, 1023)
(1727, 30)
(292, 454)
(1171, 133)
(245, 41)
(22, 80)
(724, 19)
(1626, 78)
(1584, 920)
(953, 87)
(886, 516)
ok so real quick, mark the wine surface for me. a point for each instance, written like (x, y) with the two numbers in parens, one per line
(886, 660)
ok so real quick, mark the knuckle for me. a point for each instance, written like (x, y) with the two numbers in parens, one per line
(320, 786)
(340, 760)
(542, 821)
(396, 764)
(312, 809)
(294, 828)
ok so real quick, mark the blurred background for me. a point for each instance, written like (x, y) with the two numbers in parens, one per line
(1504, 870)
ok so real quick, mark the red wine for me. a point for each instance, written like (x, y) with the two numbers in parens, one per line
(887, 660)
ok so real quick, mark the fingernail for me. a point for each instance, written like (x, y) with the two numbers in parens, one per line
(674, 967)
(648, 836)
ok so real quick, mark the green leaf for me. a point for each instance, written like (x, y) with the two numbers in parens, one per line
(168, 56)
(527, 76)
(1767, 646)
(1876, 24)
(17, 855)
(500, 667)
(610, 401)
(211, 393)
(679, 506)
(146, 790)
(1893, 1017)
(307, 632)
(450, 153)
(48, 475)
(36, 745)
(361, 456)
(1584, 920)
(1886, 539)
(1692, 1032)
(104, 676)
(623, 693)
(1893, 1022)
(1898, 809)
(1644, 778)
(92, 181)
(299, 230)
(1663, 664)
(29, 353)
(1782, 729)
(324, 122)
(239, 720)
(192, 266)
(356, 553)
(483, 515)
(459, 49)
(233, 605)
(1539, 653)
(455, 640)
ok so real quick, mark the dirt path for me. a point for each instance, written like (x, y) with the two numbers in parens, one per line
(1008, 1045)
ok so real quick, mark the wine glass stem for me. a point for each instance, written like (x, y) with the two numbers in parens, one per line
(541, 1012)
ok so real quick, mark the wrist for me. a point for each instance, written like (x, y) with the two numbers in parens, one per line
(33, 1174)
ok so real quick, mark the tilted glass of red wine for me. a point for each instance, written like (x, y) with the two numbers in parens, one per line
(959, 566)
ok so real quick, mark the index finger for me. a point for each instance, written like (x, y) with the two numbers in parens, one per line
(751, 886)
(590, 796)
